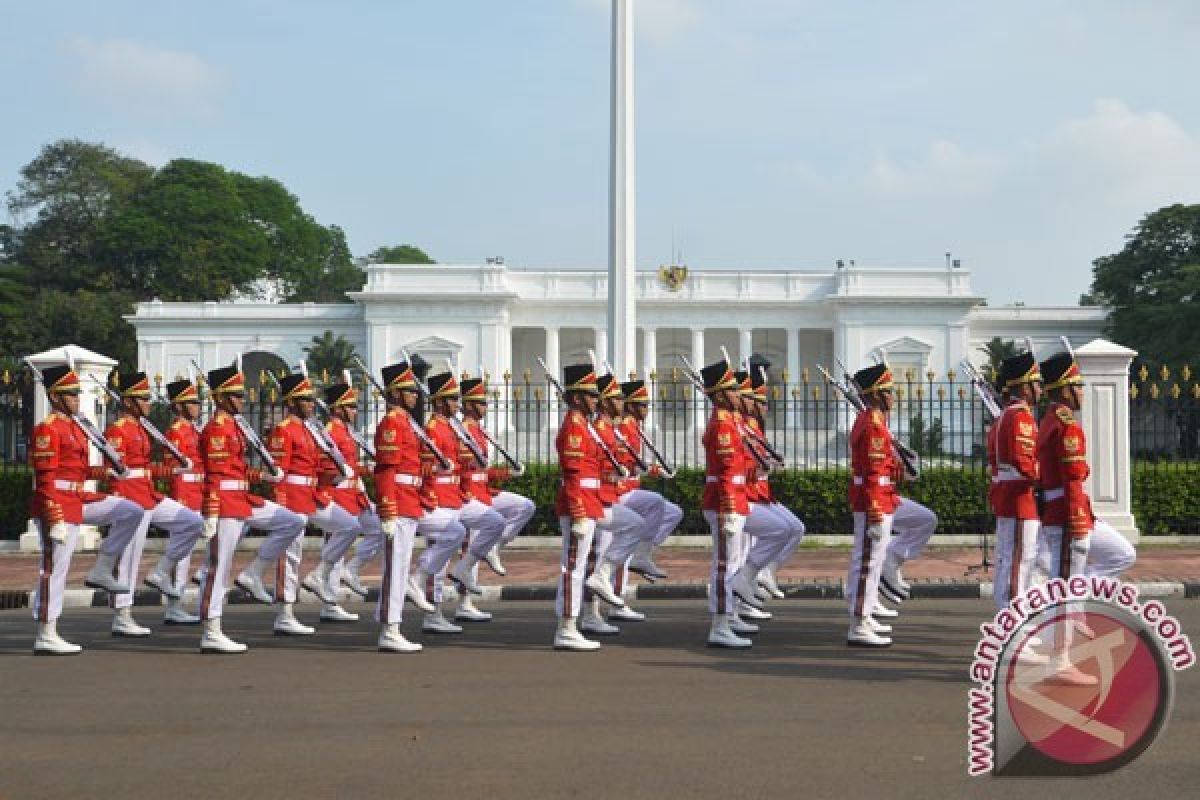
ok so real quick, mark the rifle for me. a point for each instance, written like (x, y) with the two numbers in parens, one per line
(853, 397)
(696, 380)
(248, 433)
(90, 432)
(319, 435)
(668, 472)
(620, 437)
(422, 437)
(620, 468)
(984, 390)
(148, 427)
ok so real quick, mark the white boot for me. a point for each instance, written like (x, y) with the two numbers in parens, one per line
(437, 623)
(464, 576)
(568, 637)
(391, 640)
(160, 578)
(351, 579)
(100, 576)
(891, 583)
(643, 563)
(626, 614)
(176, 614)
(214, 641)
(600, 582)
(767, 580)
(721, 633)
(317, 582)
(49, 643)
(286, 623)
(467, 611)
(747, 611)
(592, 622)
(250, 579)
(861, 635)
(882, 628)
(740, 626)
(880, 611)
(332, 612)
(744, 586)
(123, 624)
(416, 591)
(492, 559)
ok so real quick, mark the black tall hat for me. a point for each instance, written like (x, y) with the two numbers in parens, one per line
(340, 394)
(182, 392)
(875, 378)
(226, 380)
(1018, 369)
(580, 378)
(296, 386)
(420, 367)
(718, 376)
(1061, 369)
(399, 376)
(635, 391)
(60, 379)
(443, 385)
(133, 384)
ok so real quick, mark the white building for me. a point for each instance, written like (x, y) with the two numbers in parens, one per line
(502, 318)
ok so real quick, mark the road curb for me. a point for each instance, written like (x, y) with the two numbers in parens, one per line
(824, 589)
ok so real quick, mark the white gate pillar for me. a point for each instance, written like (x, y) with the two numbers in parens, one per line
(1105, 420)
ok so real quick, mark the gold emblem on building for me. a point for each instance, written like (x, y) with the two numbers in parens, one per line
(673, 276)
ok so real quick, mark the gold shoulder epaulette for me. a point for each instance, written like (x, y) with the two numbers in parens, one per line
(723, 415)
(1065, 415)
(876, 416)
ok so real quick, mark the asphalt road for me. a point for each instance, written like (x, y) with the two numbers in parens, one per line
(496, 714)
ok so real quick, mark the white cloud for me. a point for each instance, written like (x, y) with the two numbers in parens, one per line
(144, 79)
(660, 22)
(945, 169)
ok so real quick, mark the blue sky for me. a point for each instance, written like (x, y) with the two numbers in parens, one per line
(1025, 137)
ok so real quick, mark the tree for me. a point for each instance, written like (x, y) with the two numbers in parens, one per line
(328, 355)
(1153, 286)
(401, 254)
(997, 350)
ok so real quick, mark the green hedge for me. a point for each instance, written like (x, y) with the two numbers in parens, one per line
(1165, 498)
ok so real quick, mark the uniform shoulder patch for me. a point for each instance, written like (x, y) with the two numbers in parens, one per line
(1064, 414)
(722, 414)
(876, 416)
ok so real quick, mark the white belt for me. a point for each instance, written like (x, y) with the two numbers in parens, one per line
(446, 479)
(191, 477)
(884, 480)
(1007, 473)
(69, 486)
(736, 480)
(404, 479)
(136, 472)
(589, 483)
(1053, 494)
(479, 477)
(233, 486)
(301, 480)
(349, 483)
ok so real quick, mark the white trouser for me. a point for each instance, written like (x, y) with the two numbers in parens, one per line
(572, 568)
(370, 542)
(866, 565)
(1108, 552)
(485, 527)
(672, 515)
(122, 518)
(282, 528)
(797, 534)
(911, 529)
(720, 585)
(333, 520)
(619, 533)
(516, 510)
(769, 532)
(1016, 553)
(397, 559)
(669, 517)
(183, 527)
(444, 535)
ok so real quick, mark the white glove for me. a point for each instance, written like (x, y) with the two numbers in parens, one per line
(348, 472)
(390, 527)
(875, 531)
(731, 524)
(210, 528)
(582, 527)
(273, 476)
(58, 532)
(187, 464)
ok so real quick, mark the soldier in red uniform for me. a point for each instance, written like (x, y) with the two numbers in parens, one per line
(873, 501)
(488, 514)
(1073, 541)
(183, 525)
(296, 444)
(725, 504)
(187, 489)
(398, 481)
(1014, 476)
(230, 510)
(62, 502)
(578, 504)
(351, 495)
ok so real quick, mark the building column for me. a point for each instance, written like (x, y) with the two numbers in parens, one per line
(622, 261)
(698, 362)
(649, 352)
(745, 344)
(1105, 419)
(552, 354)
(600, 343)
(793, 355)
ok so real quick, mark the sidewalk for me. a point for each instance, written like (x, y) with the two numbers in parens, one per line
(811, 572)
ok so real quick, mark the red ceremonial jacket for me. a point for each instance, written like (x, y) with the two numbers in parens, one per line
(132, 443)
(227, 478)
(347, 492)
(442, 489)
(187, 488)
(398, 466)
(725, 465)
(296, 452)
(873, 466)
(579, 460)
(610, 479)
(60, 456)
(632, 432)
(476, 481)
(1016, 467)
(758, 483)
(1062, 458)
